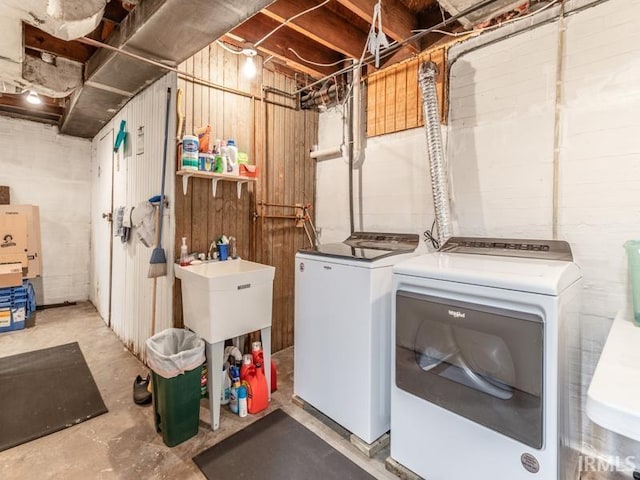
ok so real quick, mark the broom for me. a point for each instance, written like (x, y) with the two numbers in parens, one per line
(158, 262)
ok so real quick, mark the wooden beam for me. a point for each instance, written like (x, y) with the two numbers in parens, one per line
(114, 12)
(332, 31)
(397, 19)
(19, 103)
(398, 56)
(278, 45)
(43, 42)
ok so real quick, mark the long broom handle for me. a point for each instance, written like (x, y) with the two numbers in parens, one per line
(164, 165)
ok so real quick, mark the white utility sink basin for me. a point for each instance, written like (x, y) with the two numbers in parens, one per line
(222, 300)
(227, 299)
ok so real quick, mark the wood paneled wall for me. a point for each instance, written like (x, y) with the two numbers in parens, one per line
(278, 140)
(394, 99)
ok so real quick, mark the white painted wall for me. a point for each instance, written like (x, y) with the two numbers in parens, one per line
(52, 171)
(500, 150)
(392, 189)
(136, 179)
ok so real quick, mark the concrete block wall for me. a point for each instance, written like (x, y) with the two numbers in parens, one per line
(500, 150)
(52, 171)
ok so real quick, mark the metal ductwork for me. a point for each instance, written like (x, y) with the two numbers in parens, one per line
(455, 7)
(167, 31)
(65, 19)
(439, 183)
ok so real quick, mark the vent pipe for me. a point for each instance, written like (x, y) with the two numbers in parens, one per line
(439, 185)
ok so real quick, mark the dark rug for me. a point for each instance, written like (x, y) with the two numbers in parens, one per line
(45, 391)
(276, 447)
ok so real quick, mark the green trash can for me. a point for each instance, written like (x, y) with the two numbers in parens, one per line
(175, 357)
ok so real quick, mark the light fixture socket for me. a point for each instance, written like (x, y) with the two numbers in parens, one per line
(249, 50)
(33, 98)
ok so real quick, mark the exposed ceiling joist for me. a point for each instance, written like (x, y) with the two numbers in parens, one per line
(114, 12)
(16, 104)
(397, 20)
(331, 31)
(279, 43)
(43, 42)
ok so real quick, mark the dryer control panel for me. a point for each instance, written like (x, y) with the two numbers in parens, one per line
(543, 249)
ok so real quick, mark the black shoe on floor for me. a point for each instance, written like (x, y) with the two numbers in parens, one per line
(141, 395)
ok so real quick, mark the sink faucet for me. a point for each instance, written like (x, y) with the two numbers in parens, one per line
(212, 248)
(232, 245)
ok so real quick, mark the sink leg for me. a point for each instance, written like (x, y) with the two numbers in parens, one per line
(215, 354)
(265, 335)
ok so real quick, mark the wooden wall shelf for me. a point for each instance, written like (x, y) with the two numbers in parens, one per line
(214, 177)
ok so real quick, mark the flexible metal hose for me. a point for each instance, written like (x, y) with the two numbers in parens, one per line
(427, 80)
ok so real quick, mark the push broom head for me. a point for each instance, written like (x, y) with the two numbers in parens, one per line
(158, 263)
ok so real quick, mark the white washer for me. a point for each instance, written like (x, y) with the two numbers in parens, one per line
(482, 336)
(342, 331)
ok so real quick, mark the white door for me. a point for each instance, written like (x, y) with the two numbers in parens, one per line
(101, 225)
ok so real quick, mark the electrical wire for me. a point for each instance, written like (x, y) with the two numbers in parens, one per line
(490, 27)
(290, 20)
(314, 63)
(227, 48)
(430, 237)
(395, 45)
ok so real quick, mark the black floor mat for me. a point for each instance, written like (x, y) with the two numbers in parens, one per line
(276, 447)
(45, 391)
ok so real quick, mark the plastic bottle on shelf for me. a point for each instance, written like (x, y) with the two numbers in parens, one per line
(232, 152)
(190, 148)
(224, 153)
(184, 252)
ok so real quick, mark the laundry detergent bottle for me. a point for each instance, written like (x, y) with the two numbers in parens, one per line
(257, 393)
(247, 362)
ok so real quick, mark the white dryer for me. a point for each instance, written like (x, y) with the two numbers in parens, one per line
(342, 349)
(482, 333)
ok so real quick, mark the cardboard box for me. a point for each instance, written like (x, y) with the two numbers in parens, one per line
(31, 247)
(13, 239)
(10, 275)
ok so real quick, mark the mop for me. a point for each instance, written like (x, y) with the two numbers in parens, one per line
(158, 262)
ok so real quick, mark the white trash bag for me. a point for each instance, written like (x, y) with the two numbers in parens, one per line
(174, 351)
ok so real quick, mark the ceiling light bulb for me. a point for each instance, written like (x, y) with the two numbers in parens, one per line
(33, 98)
(249, 68)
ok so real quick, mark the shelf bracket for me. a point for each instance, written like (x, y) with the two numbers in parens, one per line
(185, 184)
(240, 188)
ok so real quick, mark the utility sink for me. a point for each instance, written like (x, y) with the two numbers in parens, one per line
(226, 299)
(222, 300)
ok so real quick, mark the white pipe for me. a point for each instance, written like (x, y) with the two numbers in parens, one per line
(327, 152)
(357, 135)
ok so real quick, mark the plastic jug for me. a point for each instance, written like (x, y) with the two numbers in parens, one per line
(257, 394)
(247, 362)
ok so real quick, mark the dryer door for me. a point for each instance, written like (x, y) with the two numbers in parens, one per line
(477, 361)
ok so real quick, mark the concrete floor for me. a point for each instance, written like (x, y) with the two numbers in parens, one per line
(123, 443)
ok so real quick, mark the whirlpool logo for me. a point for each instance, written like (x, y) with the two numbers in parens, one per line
(456, 314)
